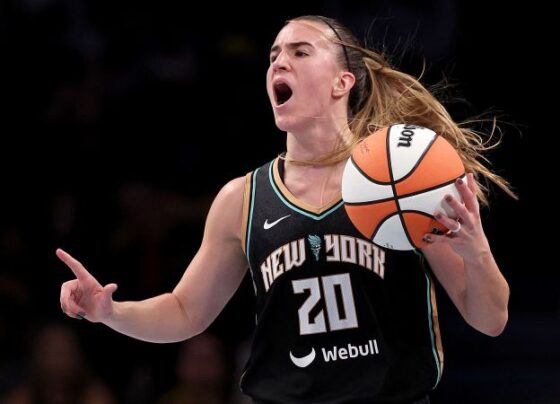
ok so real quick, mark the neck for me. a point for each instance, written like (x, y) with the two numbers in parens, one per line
(313, 184)
(318, 140)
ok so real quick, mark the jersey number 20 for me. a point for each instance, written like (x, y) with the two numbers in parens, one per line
(341, 312)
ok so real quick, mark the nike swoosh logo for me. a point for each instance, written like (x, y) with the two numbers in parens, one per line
(267, 225)
(305, 361)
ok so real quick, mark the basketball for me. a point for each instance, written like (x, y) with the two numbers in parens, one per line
(395, 180)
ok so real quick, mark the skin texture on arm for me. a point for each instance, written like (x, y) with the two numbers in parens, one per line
(464, 265)
(208, 283)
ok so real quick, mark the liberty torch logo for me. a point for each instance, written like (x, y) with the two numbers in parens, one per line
(315, 244)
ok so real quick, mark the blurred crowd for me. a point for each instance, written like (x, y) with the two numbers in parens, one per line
(120, 122)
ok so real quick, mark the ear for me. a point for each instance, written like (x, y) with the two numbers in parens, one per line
(343, 83)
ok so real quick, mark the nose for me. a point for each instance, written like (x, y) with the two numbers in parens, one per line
(281, 62)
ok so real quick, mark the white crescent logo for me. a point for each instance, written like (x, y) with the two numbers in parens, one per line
(305, 361)
(267, 225)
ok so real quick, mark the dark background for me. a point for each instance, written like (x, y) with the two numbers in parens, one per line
(120, 122)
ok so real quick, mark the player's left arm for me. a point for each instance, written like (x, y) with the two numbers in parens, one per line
(464, 265)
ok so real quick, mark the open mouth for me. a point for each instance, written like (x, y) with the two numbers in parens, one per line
(282, 93)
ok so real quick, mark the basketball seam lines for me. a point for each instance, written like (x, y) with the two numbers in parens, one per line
(393, 186)
(396, 197)
(370, 202)
(411, 194)
(365, 174)
(411, 171)
(442, 185)
(378, 227)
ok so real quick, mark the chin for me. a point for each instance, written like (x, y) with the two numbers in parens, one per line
(290, 123)
(283, 122)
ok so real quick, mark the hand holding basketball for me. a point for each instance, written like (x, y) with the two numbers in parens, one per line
(395, 180)
(466, 236)
(84, 297)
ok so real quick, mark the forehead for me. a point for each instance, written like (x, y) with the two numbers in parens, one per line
(315, 33)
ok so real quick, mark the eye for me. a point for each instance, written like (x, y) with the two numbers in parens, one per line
(300, 53)
(272, 58)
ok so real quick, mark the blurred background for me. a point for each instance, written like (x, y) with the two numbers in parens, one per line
(120, 121)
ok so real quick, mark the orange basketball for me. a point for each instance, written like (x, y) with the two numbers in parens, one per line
(395, 180)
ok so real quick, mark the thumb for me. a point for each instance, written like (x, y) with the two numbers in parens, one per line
(110, 288)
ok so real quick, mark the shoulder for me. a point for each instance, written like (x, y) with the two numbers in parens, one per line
(226, 212)
(232, 192)
(235, 191)
(230, 205)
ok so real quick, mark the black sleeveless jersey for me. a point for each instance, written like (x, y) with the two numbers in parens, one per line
(339, 319)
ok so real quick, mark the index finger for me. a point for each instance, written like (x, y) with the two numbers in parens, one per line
(469, 198)
(75, 265)
(471, 182)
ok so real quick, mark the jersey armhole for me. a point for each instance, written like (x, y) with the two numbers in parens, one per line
(422, 259)
(247, 196)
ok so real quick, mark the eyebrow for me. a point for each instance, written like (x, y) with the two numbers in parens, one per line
(291, 45)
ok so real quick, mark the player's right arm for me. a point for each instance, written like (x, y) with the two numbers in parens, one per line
(208, 283)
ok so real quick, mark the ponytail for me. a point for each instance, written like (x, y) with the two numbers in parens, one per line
(383, 96)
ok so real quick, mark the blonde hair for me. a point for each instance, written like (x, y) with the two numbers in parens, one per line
(383, 96)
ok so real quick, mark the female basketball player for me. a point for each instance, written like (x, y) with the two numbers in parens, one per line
(339, 318)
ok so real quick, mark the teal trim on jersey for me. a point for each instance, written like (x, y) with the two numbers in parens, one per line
(294, 207)
(431, 324)
(251, 207)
